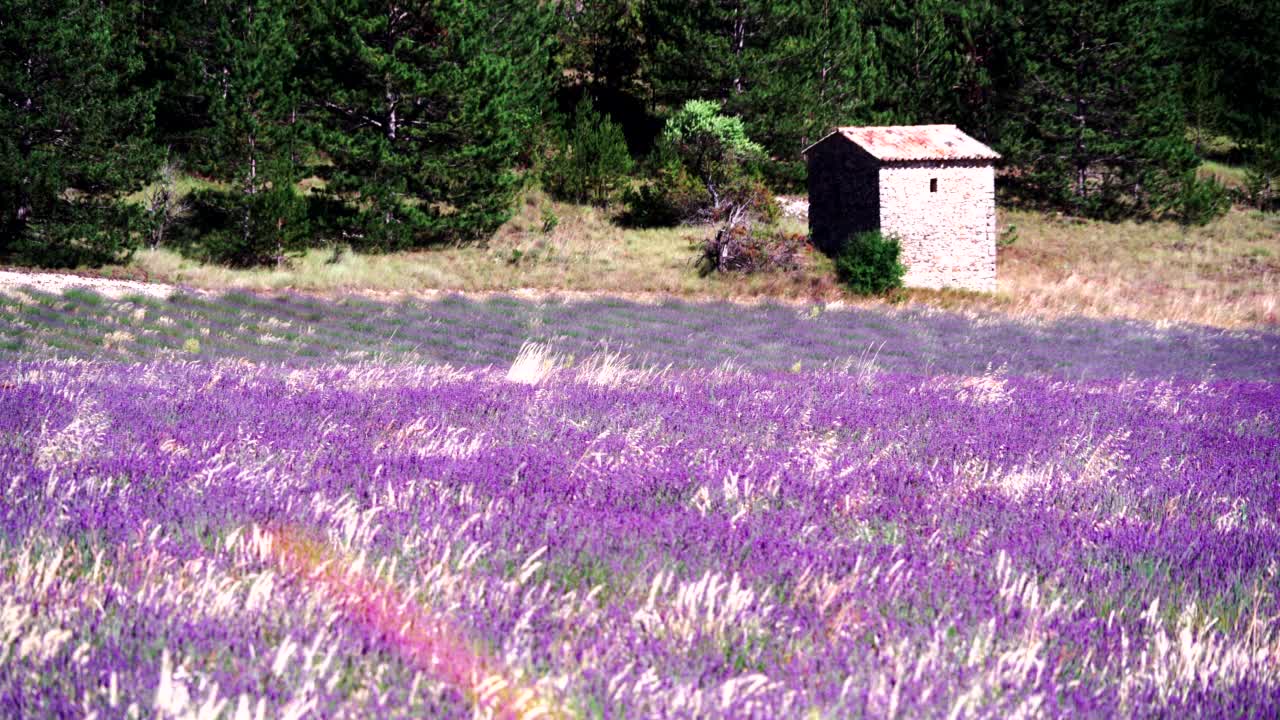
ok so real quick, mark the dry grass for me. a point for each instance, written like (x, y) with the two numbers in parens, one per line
(585, 252)
(1232, 176)
(1226, 274)
(185, 185)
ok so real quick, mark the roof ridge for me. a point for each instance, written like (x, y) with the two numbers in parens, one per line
(889, 127)
(898, 143)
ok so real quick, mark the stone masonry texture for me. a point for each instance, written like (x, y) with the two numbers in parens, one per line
(949, 235)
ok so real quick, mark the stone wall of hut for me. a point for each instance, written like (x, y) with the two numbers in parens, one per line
(844, 193)
(944, 213)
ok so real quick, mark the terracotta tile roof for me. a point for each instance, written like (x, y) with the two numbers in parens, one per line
(914, 142)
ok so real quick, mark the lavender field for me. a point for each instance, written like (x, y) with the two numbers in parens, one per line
(252, 507)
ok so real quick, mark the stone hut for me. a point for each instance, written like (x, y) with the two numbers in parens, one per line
(931, 186)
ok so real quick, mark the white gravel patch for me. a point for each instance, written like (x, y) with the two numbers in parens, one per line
(796, 207)
(13, 282)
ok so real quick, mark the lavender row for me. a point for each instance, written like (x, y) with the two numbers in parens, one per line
(461, 331)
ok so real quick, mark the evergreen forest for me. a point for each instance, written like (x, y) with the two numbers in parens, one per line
(244, 131)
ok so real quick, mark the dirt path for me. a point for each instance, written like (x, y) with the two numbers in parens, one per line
(49, 282)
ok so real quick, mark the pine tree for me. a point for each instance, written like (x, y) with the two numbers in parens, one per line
(528, 37)
(1204, 103)
(791, 69)
(936, 54)
(819, 68)
(1094, 117)
(1230, 53)
(701, 49)
(1233, 46)
(247, 78)
(74, 125)
(604, 44)
(591, 161)
(602, 53)
(425, 110)
(244, 72)
(173, 31)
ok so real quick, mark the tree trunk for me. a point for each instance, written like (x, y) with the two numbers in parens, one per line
(392, 120)
(739, 42)
(389, 92)
(252, 185)
(21, 218)
(246, 222)
(1082, 161)
(279, 242)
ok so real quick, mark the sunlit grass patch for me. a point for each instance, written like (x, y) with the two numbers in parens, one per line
(1221, 274)
(1232, 176)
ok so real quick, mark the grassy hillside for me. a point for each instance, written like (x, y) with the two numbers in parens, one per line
(581, 249)
(1226, 274)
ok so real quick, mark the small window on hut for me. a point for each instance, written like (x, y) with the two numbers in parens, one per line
(933, 184)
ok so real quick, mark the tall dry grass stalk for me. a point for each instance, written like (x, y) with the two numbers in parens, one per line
(532, 364)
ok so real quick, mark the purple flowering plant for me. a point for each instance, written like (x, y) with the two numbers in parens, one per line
(355, 508)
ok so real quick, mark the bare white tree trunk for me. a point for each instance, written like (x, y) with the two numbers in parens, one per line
(739, 43)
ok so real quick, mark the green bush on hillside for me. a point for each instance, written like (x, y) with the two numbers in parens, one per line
(670, 197)
(703, 170)
(675, 196)
(714, 147)
(242, 230)
(868, 263)
(590, 161)
(1262, 179)
(750, 191)
(1200, 200)
(80, 231)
